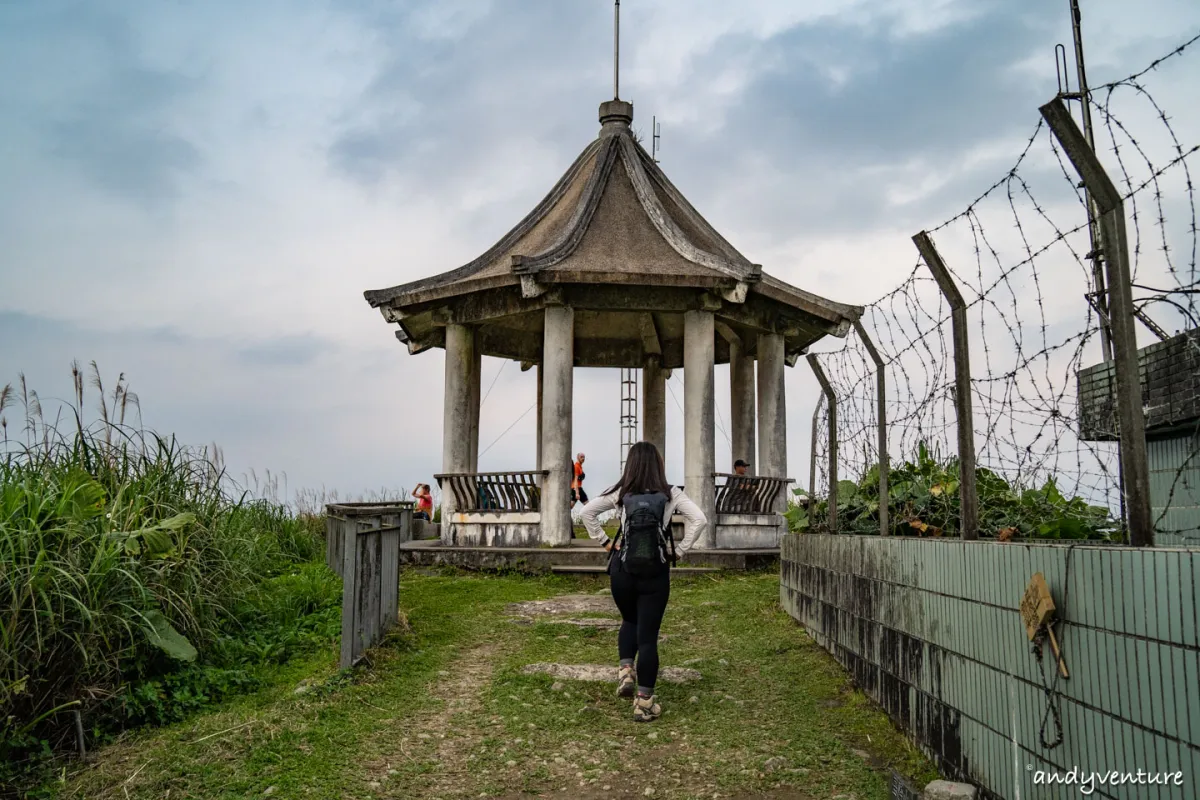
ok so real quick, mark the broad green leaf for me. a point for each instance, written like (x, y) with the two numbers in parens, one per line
(164, 636)
(156, 543)
(177, 522)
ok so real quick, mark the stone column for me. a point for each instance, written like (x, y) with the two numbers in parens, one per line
(772, 411)
(558, 361)
(539, 418)
(741, 406)
(456, 414)
(654, 405)
(699, 444)
(476, 374)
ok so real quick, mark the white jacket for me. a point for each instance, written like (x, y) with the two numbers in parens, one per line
(693, 518)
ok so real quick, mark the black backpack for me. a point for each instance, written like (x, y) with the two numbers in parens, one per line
(644, 538)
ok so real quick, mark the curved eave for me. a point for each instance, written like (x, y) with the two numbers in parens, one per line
(840, 315)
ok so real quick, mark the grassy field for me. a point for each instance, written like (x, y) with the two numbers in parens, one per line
(443, 710)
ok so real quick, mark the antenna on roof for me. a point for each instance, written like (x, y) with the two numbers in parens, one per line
(616, 49)
(656, 134)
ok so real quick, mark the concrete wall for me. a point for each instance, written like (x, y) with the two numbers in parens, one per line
(744, 531)
(931, 630)
(496, 530)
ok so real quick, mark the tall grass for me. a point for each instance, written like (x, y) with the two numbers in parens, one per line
(126, 558)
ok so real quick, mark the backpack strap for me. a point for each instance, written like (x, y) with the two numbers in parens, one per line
(612, 550)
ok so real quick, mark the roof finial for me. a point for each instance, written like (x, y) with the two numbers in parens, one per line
(616, 49)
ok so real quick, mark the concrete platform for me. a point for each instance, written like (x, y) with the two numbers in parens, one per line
(580, 556)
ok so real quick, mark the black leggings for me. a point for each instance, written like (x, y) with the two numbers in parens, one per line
(642, 602)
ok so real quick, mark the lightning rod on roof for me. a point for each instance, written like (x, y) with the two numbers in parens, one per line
(616, 49)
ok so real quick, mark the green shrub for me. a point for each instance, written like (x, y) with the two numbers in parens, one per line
(136, 583)
(923, 500)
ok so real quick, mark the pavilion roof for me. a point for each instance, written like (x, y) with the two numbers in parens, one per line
(613, 218)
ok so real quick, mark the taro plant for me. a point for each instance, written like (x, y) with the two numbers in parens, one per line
(923, 500)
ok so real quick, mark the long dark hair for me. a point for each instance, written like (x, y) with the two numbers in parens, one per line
(644, 473)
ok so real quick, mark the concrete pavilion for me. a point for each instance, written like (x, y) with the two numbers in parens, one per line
(614, 268)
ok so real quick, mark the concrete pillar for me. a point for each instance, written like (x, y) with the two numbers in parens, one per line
(772, 411)
(699, 443)
(473, 409)
(558, 361)
(539, 418)
(741, 407)
(456, 415)
(654, 405)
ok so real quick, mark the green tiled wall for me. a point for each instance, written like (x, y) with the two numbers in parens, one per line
(931, 630)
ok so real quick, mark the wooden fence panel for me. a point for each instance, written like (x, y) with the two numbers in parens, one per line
(363, 546)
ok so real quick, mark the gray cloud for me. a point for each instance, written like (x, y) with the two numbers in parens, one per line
(116, 125)
(906, 109)
(291, 351)
(305, 156)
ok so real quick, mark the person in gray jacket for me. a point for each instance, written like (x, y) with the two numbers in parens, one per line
(641, 588)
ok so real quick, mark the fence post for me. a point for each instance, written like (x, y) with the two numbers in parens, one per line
(1131, 419)
(831, 400)
(348, 532)
(881, 393)
(333, 541)
(968, 501)
(812, 456)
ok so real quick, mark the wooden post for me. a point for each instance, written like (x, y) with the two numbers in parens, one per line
(968, 502)
(333, 541)
(881, 392)
(1135, 469)
(831, 399)
(367, 584)
(348, 531)
(399, 530)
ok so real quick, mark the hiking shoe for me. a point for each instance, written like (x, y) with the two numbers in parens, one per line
(645, 709)
(626, 682)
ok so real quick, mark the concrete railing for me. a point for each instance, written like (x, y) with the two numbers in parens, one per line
(362, 545)
(748, 494)
(494, 492)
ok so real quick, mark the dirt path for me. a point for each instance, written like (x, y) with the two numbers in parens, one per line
(467, 706)
(442, 739)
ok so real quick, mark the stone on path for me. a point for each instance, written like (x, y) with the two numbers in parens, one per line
(565, 604)
(603, 673)
(774, 764)
(589, 622)
(948, 790)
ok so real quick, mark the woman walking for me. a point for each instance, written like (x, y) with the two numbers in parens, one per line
(639, 565)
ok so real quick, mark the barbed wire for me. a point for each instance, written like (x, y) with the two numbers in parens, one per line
(1034, 320)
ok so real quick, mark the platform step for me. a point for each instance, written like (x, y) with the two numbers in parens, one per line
(581, 568)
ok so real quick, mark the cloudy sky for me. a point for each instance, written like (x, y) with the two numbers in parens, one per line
(197, 194)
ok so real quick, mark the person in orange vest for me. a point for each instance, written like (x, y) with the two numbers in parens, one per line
(578, 495)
